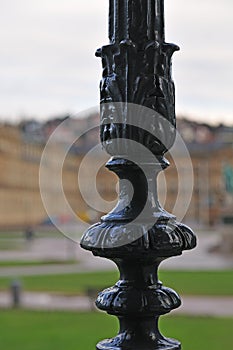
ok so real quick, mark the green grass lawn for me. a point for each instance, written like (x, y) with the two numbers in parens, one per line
(17, 241)
(25, 330)
(22, 263)
(190, 283)
(11, 244)
(11, 235)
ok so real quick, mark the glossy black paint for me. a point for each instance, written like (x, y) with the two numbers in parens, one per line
(137, 69)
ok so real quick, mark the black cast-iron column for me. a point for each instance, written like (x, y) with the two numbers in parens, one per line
(138, 234)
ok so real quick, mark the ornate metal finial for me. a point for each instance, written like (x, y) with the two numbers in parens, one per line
(137, 128)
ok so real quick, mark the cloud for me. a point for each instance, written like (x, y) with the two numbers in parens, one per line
(47, 62)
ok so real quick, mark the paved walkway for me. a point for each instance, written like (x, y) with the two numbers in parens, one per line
(206, 306)
(200, 306)
(62, 248)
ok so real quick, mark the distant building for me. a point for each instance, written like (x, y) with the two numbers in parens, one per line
(20, 199)
(210, 148)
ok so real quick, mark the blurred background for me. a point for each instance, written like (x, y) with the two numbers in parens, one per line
(49, 83)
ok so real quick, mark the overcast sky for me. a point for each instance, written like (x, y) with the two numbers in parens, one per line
(48, 67)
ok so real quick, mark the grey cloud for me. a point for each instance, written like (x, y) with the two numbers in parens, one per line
(47, 61)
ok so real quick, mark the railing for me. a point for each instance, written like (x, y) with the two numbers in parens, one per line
(138, 126)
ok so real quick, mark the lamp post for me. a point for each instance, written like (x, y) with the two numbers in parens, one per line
(137, 108)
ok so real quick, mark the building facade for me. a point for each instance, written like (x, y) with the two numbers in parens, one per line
(90, 189)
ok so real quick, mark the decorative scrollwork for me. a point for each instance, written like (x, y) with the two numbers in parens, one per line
(143, 77)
